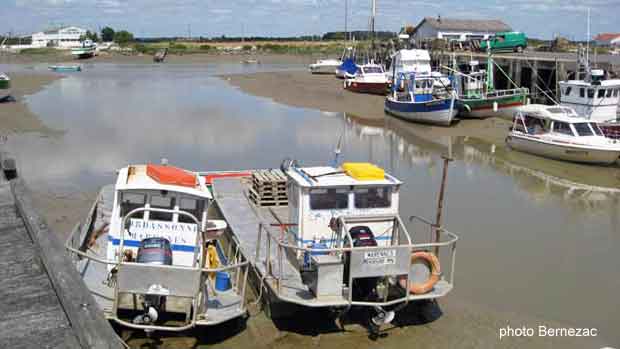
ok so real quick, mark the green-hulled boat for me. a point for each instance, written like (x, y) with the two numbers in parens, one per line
(5, 86)
(478, 97)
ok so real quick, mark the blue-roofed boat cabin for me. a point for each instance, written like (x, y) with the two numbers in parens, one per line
(426, 98)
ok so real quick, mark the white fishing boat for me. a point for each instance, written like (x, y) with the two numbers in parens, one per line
(5, 86)
(332, 237)
(149, 251)
(85, 50)
(558, 132)
(325, 66)
(422, 98)
(369, 78)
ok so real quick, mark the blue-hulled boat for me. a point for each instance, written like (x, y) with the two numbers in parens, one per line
(427, 98)
(65, 68)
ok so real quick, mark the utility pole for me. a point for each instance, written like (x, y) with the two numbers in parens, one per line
(189, 32)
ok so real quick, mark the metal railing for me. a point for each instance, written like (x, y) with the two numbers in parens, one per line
(400, 239)
(240, 268)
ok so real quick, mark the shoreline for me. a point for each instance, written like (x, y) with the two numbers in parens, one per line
(15, 116)
(324, 92)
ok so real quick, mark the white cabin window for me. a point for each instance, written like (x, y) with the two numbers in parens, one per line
(609, 92)
(131, 201)
(583, 129)
(582, 92)
(616, 92)
(590, 93)
(329, 199)
(373, 197)
(192, 206)
(601, 93)
(568, 91)
(562, 127)
(161, 201)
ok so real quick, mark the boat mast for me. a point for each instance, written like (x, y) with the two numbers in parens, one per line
(372, 26)
(346, 21)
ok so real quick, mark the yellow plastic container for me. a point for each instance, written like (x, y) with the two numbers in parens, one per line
(363, 171)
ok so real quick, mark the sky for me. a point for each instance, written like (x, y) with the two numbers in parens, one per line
(149, 18)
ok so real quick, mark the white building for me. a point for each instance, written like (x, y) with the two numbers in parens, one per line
(457, 29)
(65, 37)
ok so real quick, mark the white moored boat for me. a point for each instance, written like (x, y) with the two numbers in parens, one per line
(325, 66)
(558, 132)
(147, 251)
(369, 78)
(5, 86)
(85, 50)
(333, 237)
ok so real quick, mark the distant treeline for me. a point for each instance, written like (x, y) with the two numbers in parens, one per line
(330, 36)
(359, 35)
(225, 38)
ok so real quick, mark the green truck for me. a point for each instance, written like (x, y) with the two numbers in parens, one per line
(505, 41)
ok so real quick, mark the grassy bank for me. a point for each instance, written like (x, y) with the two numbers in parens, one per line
(293, 47)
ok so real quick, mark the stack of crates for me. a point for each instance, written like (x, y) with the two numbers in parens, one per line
(268, 188)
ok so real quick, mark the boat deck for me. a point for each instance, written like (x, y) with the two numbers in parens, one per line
(44, 305)
(244, 218)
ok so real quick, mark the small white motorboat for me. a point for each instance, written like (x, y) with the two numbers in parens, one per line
(369, 78)
(85, 50)
(325, 66)
(558, 132)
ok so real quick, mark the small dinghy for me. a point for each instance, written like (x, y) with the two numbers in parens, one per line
(65, 68)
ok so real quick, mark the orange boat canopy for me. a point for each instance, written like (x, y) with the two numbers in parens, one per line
(171, 175)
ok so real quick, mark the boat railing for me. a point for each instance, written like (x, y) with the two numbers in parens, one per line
(187, 282)
(401, 246)
(509, 92)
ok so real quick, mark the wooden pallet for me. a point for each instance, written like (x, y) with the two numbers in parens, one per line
(268, 188)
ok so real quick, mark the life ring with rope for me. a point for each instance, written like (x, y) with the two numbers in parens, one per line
(423, 287)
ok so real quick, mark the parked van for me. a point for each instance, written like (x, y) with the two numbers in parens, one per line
(506, 41)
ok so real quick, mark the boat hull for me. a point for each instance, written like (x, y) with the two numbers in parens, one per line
(323, 69)
(483, 108)
(5, 88)
(377, 88)
(83, 53)
(565, 152)
(438, 112)
(66, 69)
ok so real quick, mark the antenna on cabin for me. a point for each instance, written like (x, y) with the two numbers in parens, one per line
(588, 43)
(338, 149)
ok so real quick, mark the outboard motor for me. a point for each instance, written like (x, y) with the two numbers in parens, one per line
(363, 288)
(371, 288)
(156, 251)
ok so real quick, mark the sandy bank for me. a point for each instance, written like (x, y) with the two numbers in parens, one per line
(197, 58)
(15, 117)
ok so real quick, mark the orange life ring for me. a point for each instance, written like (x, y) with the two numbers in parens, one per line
(423, 287)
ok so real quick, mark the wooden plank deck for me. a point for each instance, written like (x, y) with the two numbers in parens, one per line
(43, 302)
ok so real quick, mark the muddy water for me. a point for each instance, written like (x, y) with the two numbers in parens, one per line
(539, 238)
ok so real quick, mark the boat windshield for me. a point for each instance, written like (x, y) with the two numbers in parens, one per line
(329, 199)
(583, 129)
(373, 197)
(596, 129)
(131, 201)
(373, 70)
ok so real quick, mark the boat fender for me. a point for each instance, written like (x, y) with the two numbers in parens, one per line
(423, 287)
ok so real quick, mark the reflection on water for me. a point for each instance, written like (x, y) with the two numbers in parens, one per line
(537, 235)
